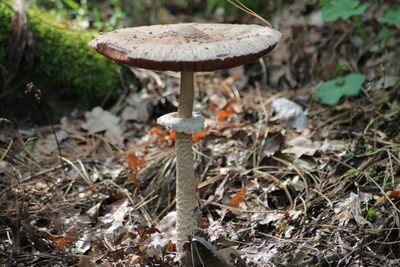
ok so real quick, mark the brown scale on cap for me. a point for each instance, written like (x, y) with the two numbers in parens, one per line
(187, 47)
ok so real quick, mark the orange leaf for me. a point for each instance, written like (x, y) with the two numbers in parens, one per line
(198, 136)
(172, 136)
(395, 194)
(163, 135)
(116, 254)
(145, 232)
(238, 198)
(170, 247)
(156, 130)
(61, 241)
(223, 114)
(134, 162)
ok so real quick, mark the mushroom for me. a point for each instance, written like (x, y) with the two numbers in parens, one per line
(186, 48)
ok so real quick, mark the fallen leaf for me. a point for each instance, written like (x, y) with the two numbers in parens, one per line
(163, 135)
(134, 162)
(395, 194)
(172, 136)
(117, 254)
(99, 120)
(60, 242)
(238, 197)
(302, 145)
(222, 115)
(392, 194)
(198, 136)
(48, 144)
(170, 247)
(139, 109)
(271, 145)
(228, 109)
(114, 221)
(167, 231)
(145, 232)
(291, 113)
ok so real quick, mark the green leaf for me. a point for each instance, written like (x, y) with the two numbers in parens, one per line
(344, 9)
(331, 91)
(391, 15)
(71, 4)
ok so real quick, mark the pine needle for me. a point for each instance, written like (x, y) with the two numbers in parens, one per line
(244, 8)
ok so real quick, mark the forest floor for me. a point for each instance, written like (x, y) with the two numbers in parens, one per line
(299, 184)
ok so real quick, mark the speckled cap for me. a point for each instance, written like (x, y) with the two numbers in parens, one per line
(187, 47)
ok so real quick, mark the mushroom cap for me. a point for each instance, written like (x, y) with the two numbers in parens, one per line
(187, 47)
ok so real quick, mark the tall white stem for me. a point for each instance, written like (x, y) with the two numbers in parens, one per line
(186, 181)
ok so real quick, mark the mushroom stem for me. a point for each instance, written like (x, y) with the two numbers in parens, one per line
(186, 95)
(186, 181)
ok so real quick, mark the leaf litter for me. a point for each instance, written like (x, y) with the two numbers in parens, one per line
(298, 184)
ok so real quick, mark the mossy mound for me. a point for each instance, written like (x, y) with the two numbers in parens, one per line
(68, 72)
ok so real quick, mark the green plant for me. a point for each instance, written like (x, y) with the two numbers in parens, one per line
(391, 15)
(333, 10)
(83, 13)
(117, 16)
(371, 214)
(331, 91)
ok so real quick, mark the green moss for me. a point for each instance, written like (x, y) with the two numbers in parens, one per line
(65, 67)
(64, 54)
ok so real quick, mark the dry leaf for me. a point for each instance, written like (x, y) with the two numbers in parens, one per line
(228, 109)
(198, 136)
(222, 115)
(146, 232)
(391, 194)
(140, 108)
(99, 120)
(302, 145)
(291, 113)
(164, 135)
(134, 162)
(172, 136)
(238, 198)
(117, 254)
(60, 242)
(170, 247)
